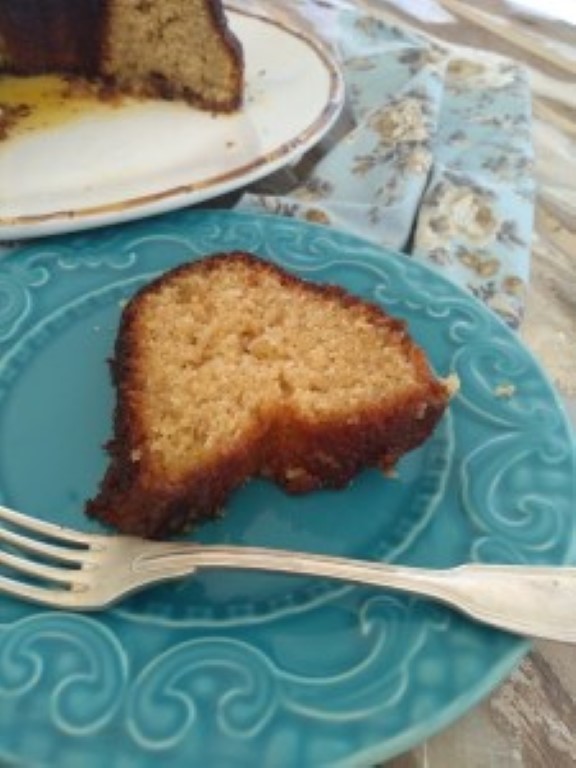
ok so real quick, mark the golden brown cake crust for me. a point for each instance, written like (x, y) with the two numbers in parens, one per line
(296, 451)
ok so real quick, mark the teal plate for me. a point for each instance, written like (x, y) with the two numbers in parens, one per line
(242, 670)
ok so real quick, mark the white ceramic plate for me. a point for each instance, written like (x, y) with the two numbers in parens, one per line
(145, 158)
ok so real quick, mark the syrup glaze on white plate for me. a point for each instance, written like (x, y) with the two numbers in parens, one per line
(136, 159)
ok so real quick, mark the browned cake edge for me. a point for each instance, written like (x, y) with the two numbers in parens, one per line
(300, 456)
(236, 52)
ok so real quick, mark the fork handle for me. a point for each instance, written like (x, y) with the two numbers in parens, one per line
(535, 601)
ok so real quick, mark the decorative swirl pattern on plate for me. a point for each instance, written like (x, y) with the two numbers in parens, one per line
(382, 620)
(213, 681)
(43, 332)
(20, 281)
(169, 698)
(14, 305)
(73, 663)
(16, 284)
(514, 481)
(519, 525)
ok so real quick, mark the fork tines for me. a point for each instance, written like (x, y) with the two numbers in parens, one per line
(36, 556)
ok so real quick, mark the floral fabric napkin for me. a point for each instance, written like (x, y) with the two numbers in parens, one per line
(437, 161)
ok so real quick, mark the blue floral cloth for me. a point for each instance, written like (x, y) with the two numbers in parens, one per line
(437, 162)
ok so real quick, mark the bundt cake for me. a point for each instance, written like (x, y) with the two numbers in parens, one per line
(230, 367)
(172, 49)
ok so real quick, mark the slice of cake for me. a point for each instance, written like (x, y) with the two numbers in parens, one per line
(229, 368)
(172, 49)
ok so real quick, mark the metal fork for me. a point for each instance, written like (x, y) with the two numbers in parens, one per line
(62, 568)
